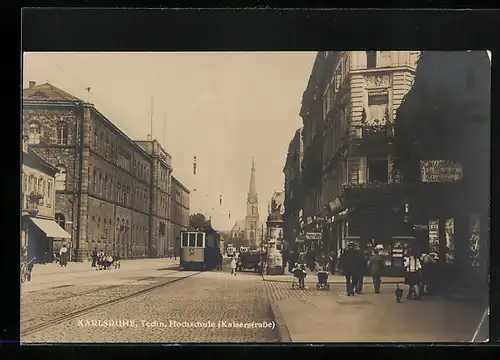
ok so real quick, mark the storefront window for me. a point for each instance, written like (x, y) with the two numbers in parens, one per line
(474, 241)
(434, 236)
(450, 241)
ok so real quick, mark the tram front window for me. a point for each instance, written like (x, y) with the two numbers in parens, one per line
(199, 240)
(184, 240)
(192, 240)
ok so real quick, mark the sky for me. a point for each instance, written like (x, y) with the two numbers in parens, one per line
(225, 108)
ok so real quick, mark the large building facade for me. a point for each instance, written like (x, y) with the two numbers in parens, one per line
(293, 201)
(348, 110)
(104, 184)
(162, 238)
(179, 212)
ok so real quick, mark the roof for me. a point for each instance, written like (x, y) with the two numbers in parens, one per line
(31, 157)
(48, 92)
(180, 184)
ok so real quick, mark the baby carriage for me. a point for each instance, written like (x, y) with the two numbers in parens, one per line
(299, 274)
(322, 274)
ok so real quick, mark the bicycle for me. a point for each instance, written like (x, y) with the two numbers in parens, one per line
(25, 270)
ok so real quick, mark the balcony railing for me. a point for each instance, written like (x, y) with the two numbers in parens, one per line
(369, 131)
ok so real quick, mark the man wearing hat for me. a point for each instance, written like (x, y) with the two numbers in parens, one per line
(348, 262)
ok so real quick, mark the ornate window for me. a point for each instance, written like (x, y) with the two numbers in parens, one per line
(61, 177)
(62, 133)
(34, 133)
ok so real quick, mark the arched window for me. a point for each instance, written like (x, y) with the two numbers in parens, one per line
(34, 133)
(60, 220)
(371, 59)
(62, 133)
(61, 177)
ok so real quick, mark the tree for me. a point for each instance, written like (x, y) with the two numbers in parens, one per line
(198, 221)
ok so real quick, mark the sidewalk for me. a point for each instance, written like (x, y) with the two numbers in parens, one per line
(378, 318)
(52, 275)
(78, 267)
(332, 279)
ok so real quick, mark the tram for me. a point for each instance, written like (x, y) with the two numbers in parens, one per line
(199, 250)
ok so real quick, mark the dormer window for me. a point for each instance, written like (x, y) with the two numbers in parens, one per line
(34, 133)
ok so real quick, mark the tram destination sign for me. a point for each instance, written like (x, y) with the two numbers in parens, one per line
(313, 236)
(438, 171)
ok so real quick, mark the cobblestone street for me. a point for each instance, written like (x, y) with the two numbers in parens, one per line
(210, 298)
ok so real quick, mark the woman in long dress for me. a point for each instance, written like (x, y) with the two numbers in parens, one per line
(63, 253)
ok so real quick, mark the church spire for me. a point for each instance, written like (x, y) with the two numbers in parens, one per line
(252, 190)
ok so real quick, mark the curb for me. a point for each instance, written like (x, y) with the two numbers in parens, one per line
(281, 328)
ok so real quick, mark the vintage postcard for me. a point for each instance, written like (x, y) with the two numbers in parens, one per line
(263, 197)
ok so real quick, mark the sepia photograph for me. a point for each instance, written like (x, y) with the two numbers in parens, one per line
(255, 197)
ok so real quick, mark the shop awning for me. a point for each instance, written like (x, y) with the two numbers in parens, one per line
(51, 228)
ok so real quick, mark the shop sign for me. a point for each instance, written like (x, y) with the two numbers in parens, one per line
(335, 204)
(309, 220)
(314, 236)
(437, 171)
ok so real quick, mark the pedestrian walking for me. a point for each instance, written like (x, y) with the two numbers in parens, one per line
(360, 264)
(428, 263)
(219, 261)
(376, 265)
(413, 275)
(348, 262)
(233, 266)
(63, 254)
(94, 257)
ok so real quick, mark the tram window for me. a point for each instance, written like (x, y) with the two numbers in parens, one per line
(199, 240)
(184, 240)
(192, 240)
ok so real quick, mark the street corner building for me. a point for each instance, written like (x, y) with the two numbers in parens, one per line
(343, 186)
(41, 235)
(111, 192)
(352, 173)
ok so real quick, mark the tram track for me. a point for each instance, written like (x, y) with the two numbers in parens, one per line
(83, 293)
(66, 317)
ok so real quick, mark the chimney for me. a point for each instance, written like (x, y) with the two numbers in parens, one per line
(32, 84)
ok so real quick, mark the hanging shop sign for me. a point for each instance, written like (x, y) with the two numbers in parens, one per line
(309, 220)
(440, 171)
(335, 204)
